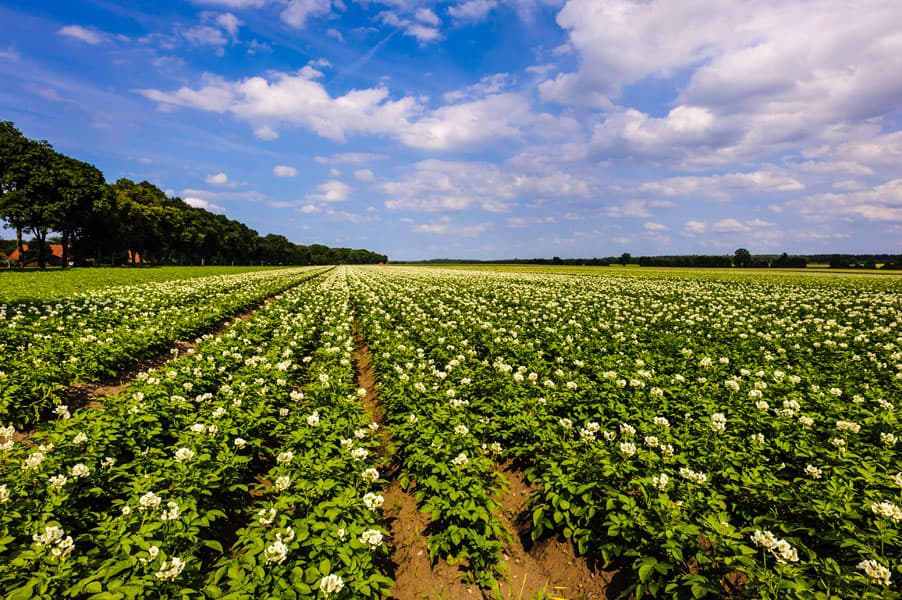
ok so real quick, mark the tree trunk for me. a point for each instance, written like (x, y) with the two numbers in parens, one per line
(41, 235)
(65, 249)
(19, 247)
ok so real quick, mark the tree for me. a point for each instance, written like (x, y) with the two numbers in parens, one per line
(81, 185)
(742, 258)
(625, 258)
(17, 155)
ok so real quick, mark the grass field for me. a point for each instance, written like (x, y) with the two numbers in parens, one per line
(57, 283)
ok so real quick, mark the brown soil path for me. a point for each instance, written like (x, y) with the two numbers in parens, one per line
(547, 569)
(415, 577)
(87, 395)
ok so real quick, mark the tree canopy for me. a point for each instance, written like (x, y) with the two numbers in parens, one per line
(43, 192)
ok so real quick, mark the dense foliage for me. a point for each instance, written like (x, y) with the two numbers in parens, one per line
(43, 191)
(735, 435)
(708, 435)
(46, 347)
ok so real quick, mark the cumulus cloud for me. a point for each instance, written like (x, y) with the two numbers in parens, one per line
(284, 171)
(424, 31)
(469, 124)
(722, 186)
(489, 84)
(882, 202)
(364, 175)
(472, 10)
(426, 15)
(298, 11)
(265, 132)
(445, 226)
(761, 77)
(635, 208)
(217, 179)
(229, 22)
(693, 227)
(331, 191)
(435, 186)
(219, 196)
(204, 204)
(205, 35)
(88, 36)
(299, 99)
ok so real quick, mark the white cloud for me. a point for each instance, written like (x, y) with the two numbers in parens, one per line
(205, 35)
(89, 36)
(422, 33)
(489, 84)
(435, 186)
(426, 15)
(204, 204)
(445, 226)
(694, 227)
(722, 186)
(294, 99)
(217, 179)
(364, 175)
(882, 202)
(473, 124)
(730, 225)
(519, 222)
(762, 76)
(235, 4)
(229, 22)
(299, 99)
(220, 196)
(349, 158)
(334, 33)
(309, 209)
(472, 10)
(10, 54)
(652, 226)
(265, 132)
(284, 171)
(331, 191)
(848, 185)
(298, 11)
(831, 167)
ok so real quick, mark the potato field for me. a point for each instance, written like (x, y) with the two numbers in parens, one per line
(250, 435)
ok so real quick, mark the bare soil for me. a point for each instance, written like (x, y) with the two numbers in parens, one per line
(548, 568)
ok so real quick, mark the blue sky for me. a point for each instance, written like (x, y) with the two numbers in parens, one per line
(485, 128)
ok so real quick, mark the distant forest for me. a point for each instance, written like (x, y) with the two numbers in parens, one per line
(54, 198)
(740, 259)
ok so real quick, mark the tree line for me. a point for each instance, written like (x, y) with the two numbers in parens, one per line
(45, 193)
(741, 259)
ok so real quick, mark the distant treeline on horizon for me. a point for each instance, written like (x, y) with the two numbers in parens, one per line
(760, 261)
(57, 199)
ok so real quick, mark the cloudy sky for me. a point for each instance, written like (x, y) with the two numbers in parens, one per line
(485, 128)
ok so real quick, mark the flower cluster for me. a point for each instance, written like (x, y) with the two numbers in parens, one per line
(55, 538)
(781, 549)
(875, 572)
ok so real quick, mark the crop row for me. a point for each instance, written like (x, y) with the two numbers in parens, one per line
(47, 347)
(708, 437)
(244, 469)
